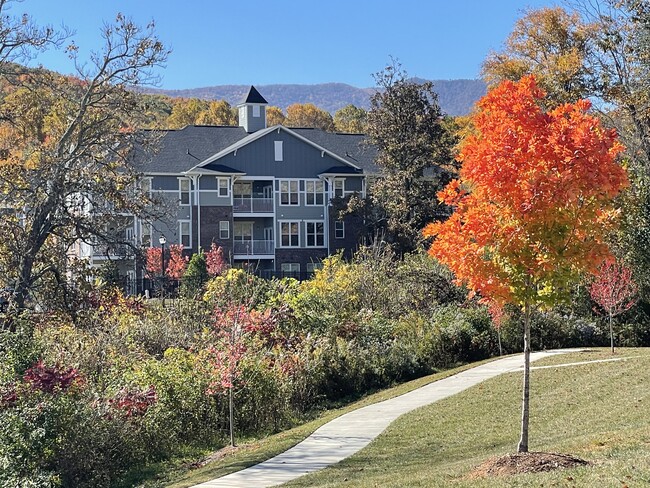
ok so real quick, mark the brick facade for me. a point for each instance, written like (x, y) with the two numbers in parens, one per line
(298, 255)
(210, 218)
(354, 227)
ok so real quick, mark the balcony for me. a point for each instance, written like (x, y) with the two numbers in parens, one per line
(112, 251)
(253, 248)
(251, 205)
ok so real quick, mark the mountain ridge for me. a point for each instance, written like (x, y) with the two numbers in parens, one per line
(456, 97)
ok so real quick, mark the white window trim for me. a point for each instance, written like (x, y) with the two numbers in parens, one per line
(314, 193)
(247, 183)
(256, 111)
(334, 182)
(279, 240)
(180, 232)
(181, 191)
(307, 222)
(290, 265)
(219, 180)
(342, 229)
(297, 192)
(149, 181)
(249, 224)
(313, 266)
(221, 229)
(149, 227)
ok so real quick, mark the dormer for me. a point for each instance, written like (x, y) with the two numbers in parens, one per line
(252, 111)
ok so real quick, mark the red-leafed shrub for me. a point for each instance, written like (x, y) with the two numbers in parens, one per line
(215, 261)
(51, 379)
(134, 403)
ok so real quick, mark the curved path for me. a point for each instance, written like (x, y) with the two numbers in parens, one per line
(351, 432)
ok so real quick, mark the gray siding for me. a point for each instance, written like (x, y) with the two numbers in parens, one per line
(300, 160)
(165, 182)
(212, 199)
(299, 212)
(250, 123)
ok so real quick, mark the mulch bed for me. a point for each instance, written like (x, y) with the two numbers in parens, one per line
(526, 462)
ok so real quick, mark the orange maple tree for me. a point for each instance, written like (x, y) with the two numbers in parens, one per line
(533, 203)
(175, 262)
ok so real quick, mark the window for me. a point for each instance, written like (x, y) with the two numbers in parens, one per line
(278, 151)
(289, 234)
(184, 230)
(224, 229)
(314, 192)
(256, 110)
(224, 187)
(288, 192)
(242, 189)
(290, 268)
(315, 234)
(131, 284)
(243, 231)
(311, 266)
(145, 186)
(339, 188)
(184, 191)
(146, 235)
(339, 229)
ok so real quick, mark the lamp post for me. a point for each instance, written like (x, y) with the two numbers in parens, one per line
(162, 241)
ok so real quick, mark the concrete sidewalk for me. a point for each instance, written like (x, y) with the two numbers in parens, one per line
(351, 432)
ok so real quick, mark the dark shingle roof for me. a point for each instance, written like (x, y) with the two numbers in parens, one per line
(180, 150)
(341, 170)
(351, 147)
(222, 168)
(254, 96)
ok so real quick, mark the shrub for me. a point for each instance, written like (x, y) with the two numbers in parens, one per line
(195, 276)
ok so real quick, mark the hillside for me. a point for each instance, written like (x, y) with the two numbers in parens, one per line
(456, 96)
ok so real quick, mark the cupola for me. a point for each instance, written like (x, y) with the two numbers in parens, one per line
(252, 111)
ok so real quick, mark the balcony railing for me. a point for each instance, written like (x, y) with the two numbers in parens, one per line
(252, 205)
(250, 248)
(121, 250)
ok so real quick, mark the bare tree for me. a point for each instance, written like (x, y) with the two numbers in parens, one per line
(65, 147)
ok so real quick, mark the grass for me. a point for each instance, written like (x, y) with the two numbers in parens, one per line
(176, 474)
(596, 411)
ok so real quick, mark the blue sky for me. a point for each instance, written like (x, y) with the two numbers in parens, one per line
(217, 42)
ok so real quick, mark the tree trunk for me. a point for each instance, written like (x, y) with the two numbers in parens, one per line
(499, 338)
(232, 415)
(523, 441)
(611, 332)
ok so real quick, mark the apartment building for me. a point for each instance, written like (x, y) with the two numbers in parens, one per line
(264, 194)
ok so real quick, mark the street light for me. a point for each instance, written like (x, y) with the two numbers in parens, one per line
(162, 241)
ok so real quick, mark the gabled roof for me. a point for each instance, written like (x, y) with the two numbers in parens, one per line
(182, 150)
(261, 133)
(253, 97)
(350, 147)
(179, 150)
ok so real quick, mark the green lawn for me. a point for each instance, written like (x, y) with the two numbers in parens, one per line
(598, 411)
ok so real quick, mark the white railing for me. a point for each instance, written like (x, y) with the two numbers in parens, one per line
(252, 205)
(253, 247)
